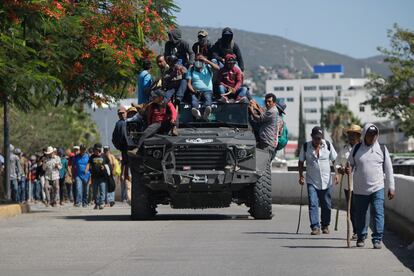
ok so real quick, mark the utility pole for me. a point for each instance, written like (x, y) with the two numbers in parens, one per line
(6, 183)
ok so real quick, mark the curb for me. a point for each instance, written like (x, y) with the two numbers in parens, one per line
(11, 210)
(400, 225)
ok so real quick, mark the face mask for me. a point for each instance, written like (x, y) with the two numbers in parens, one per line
(198, 64)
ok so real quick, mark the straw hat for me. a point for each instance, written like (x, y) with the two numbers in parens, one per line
(49, 150)
(354, 128)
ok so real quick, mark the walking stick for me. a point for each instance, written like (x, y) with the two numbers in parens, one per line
(339, 201)
(348, 212)
(300, 209)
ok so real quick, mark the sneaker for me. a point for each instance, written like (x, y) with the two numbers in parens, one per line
(101, 207)
(111, 204)
(360, 243)
(133, 152)
(96, 207)
(241, 100)
(196, 113)
(207, 112)
(354, 237)
(174, 131)
(325, 229)
(316, 231)
(377, 244)
(223, 99)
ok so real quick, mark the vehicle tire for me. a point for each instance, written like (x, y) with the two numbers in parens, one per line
(142, 206)
(261, 196)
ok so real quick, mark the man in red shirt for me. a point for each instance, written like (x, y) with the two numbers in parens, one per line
(162, 118)
(231, 80)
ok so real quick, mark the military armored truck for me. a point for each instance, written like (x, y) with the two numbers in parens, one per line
(210, 164)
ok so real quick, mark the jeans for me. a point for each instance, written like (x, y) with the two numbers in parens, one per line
(69, 191)
(81, 191)
(353, 214)
(323, 198)
(37, 190)
(179, 92)
(54, 190)
(109, 197)
(241, 92)
(376, 200)
(22, 189)
(206, 99)
(153, 129)
(14, 190)
(99, 190)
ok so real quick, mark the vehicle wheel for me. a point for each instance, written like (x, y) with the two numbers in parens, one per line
(261, 196)
(142, 207)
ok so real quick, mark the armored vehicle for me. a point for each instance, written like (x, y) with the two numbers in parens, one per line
(210, 164)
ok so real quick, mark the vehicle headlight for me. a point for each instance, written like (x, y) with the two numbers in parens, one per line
(243, 151)
(155, 152)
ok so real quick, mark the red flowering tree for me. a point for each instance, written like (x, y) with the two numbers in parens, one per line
(71, 51)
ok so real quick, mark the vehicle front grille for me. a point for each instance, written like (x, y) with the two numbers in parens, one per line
(197, 157)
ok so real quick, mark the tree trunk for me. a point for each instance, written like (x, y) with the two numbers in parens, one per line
(6, 182)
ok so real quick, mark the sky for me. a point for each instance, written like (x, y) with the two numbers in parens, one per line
(351, 27)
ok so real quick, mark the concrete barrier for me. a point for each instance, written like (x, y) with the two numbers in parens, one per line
(399, 213)
(11, 210)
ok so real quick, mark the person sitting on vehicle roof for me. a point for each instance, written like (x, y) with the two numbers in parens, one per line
(174, 81)
(175, 46)
(226, 45)
(200, 85)
(161, 118)
(203, 45)
(230, 79)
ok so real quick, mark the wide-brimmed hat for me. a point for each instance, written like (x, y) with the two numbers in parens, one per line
(132, 109)
(49, 150)
(202, 33)
(354, 128)
(76, 147)
(281, 105)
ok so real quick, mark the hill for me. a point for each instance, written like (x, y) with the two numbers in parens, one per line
(271, 50)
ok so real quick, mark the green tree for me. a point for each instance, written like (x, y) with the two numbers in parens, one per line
(393, 96)
(336, 119)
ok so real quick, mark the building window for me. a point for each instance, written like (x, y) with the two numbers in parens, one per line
(289, 100)
(309, 88)
(328, 99)
(311, 110)
(361, 108)
(289, 88)
(281, 99)
(338, 87)
(311, 122)
(326, 87)
(279, 88)
(310, 99)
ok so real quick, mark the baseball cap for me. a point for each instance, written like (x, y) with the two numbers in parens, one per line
(372, 130)
(317, 132)
(97, 146)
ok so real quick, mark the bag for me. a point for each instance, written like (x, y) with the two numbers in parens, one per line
(117, 168)
(283, 138)
(110, 179)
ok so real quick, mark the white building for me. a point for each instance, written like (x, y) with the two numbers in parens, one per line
(327, 87)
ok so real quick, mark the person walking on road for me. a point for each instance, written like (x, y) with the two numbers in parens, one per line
(317, 154)
(80, 162)
(16, 171)
(110, 197)
(52, 166)
(99, 167)
(354, 137)
(372, 169)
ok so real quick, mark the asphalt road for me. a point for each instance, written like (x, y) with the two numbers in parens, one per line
(69, 241)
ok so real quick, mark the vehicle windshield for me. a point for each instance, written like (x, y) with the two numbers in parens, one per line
(222, 115)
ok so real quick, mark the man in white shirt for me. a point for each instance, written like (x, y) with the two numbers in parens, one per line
(317, 154)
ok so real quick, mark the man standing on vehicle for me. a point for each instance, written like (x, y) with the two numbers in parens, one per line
(267, 123)
(176, 46)
(226, 45)
(144, 82)
(200, 85)
(317, 154)
(203, 45)
(372, 168)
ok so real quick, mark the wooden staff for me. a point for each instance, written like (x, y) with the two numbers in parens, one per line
(300, 208)
(348, 211)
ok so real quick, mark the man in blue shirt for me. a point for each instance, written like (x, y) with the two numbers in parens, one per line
(144, 83)
(200, 85)
(318, 153)
(80, 162)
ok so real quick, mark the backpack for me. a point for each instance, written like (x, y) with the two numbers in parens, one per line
(283, 138)
(117, 168)
(305, 146)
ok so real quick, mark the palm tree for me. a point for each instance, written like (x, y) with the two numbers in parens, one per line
(337, 118)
